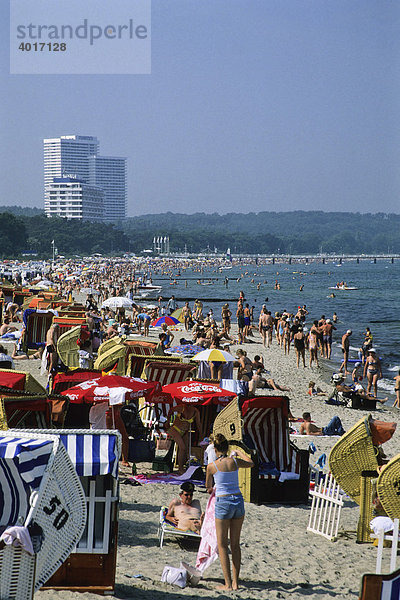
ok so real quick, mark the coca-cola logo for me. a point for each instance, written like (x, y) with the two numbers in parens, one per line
(192, 388)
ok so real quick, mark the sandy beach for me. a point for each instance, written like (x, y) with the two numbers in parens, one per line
(279, 558)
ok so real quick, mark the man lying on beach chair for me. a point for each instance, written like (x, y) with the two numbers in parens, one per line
(183, 516)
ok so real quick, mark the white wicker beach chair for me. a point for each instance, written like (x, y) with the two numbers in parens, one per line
(39, 486)
(91, 565)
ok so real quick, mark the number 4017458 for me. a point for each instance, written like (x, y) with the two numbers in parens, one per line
(42, 47)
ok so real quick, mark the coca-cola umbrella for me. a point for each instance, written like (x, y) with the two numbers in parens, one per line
(195, 392)
(114, 389)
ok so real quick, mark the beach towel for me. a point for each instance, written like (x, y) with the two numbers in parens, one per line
(191, 474)
(208, 549)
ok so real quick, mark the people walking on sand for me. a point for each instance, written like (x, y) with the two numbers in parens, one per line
(327, 329)
(265, 324)
(373, 371)
(229, 507)
(171, 305)
(240, 322)
(198, 310)
(300, 346)
(247, 322)
(226, 315)
(187, 316)
(313, 343)
(280, 327)
(345, 350)
(287, 335)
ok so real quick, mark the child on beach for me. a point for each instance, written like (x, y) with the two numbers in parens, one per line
(313, 391)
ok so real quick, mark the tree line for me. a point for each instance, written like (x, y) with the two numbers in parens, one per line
(297, 232)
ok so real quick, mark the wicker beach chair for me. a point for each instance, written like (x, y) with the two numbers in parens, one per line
(113, 358)
(28, 381)
(40, 488)
(67, 347)
(91, 565)
(353, 463)
(68, 322)
(353, 454)
(36, 324)
(388, 487)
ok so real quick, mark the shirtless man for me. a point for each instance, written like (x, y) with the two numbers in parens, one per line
(53, 333)
(184, 512)
(265, 324)
(327, 329)
(334, 427)
(345, 350)
(6, 327)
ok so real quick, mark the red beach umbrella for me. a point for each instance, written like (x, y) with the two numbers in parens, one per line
(115, 389)
(196, 392)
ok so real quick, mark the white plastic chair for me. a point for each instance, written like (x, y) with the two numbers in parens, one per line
(165, 528)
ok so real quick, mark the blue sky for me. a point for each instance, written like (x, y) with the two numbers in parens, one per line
(251, 105)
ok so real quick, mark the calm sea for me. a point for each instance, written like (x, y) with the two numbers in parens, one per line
(375, 303)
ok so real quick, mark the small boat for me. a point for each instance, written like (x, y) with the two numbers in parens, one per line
(342, 287)
(149, 288)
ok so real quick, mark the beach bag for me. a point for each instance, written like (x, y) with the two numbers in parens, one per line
(174, 576)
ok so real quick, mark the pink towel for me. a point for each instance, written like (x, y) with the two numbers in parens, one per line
(208, 549)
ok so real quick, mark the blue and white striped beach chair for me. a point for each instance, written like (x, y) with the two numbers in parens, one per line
(92, 564)
(38, 486)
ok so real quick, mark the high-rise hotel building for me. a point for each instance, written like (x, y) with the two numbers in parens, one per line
(76, 156)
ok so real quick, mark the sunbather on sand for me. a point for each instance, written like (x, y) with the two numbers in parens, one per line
(184, 512)
(260, 378)
(334, 427)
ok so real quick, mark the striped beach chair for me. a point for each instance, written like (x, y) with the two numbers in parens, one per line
(164, 372)
(285, 477)
(69, 322)
(36, 323)
(23, 409)
(380, 587)
(28, 383)
(92, 564)
(41, 491)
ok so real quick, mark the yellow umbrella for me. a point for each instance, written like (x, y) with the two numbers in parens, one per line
(178, 314)
(214, 354)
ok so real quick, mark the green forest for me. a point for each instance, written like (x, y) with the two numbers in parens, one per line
(28, 230)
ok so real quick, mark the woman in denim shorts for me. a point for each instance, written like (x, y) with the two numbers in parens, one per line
(229, 507)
